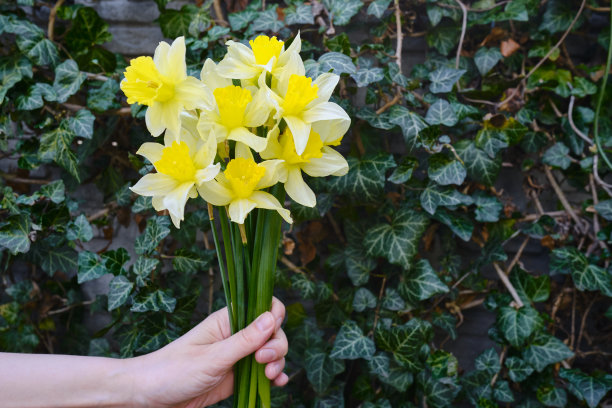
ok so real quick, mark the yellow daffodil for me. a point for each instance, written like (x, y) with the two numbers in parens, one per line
(239, 187)
(300, 101)
(235, 110)
(181, 167)
(317, 160)
(161, 83)
(265, 54)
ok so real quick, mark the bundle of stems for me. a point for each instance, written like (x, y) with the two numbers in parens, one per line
(247, 266)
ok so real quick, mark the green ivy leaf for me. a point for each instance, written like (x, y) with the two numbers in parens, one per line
(399, 377)
(240, 20)
(190, 262)
(479, 165)
(461, 225)
(486, 58)
(421, 283)
(392, 300)
(381, 121)
(488, 361)
(530, 288)
(589, 388)
(586, 276)
(321, 369)
(403, 172)
(378, 7)
(351, 344)
(55, 145)
(441, 113)
(443, 38)
(54, 191)
(155, 301)
(30, 100)
(299, 14)
(434, 196)
(443, 79)
(364, 299)
(342, 10)
(604, 209)
(366, 76)
(82, 123)
(91, 266)
(558, 17)
(488, 207)
(143, 267)
(551, 396)
(40, 50)
(118, 292)
(502, 392)
(115, 259)
(411, 123)
(142, 204)
(337, 62)
(545, 350)
(517, 325)
(366, 177)
(175, 23)
(156, 230)
(379, 365)
(398, 240)
(15, 235)
(103, 98)
(79, 229)
(557, 156)
(444, 170)
(268, 21)
(405, 342)
(68, 80)
(518, 369)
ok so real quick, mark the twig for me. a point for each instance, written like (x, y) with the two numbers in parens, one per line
(335, 227)
(52, 15)
(400, 36)
(292, 266)
(98, 214)
(605, 186)
(562, 198)
(508, 285)
(69, 307)
(545, 58)
(517, 256)
(533, 217)
(16, 179)
(478, 10)
(97, 77)
(501, 364)
(380, 295)
(464, 10)
(219, 13)
(387, 105)
(570, 114)
(571, 343)
(583, 322)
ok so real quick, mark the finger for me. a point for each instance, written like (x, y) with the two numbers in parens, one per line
(274, 349)
(281, 380)
(214, 328)
(274, 369)
(278, 310)
(229, 351)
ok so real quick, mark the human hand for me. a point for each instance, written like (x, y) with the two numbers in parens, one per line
(196, 369)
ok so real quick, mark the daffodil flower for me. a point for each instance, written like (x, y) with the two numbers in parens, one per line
(317, 160)
(235, 110)
(300, 101)
(162, 84)
(239, 187)
(264, 55)
(181, 167)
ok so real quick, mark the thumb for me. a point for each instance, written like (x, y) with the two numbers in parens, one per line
(247, 340)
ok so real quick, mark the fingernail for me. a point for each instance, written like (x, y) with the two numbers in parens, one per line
(267, 355)
(264, 322)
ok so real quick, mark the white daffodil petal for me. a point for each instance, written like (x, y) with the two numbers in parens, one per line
(190, 93)
(214, 193)
(331, 163)
(273, 148)
(294, 48)
(175, 66)
(242, 150)
(160, 58)
(269, 202)
(206, 153)
(331, 131)
(327, 83)
(208, 173)
(238, 63)
(253, 141)
(298, 190)
(154, 185)
(300, 131)
(325, 111)
(154, 120)
(211, 78)
(176, 221)
(170, 116)
(258, 109)
(151, 151)
(193, 192)
(273, 172)
(158, 203)
(175, 201)
(240, 208)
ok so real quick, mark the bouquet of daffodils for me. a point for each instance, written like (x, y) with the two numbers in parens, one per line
(239, 137)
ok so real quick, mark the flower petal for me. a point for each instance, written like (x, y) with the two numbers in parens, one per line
(273, 149)
(300, 131)
(153, 119)
(239, 209)
(269, 202)
(331, 131)
(214, 193)
(174, 66)
(208, 173)
(171, 112)
(191, 94)
(242, 150)
(274, 172)
(325, 111)
(294, 48)
(331, 163)
(205, 155)
(175, 201)
(327, 83)
(151, 151)
(258, 109)
(298, 190)
(154, 185)
(238, 63)
(211, 78)
(253, 141)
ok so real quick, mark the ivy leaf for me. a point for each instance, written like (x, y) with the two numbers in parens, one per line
(87, 29)
(141, 204)
(303, 285)
(445, 171)
(40, 50)
(488, 207)
(30, 100)
(366, 177)
(441, 113)
(118, 291)
(403, 172)
(91, 266)
(15, 235)
(557, 156)
(479, 165)
(103, 98)
(379, 365)
(342, 10)
(82, 123)
(517, 325)
(434, 196)
(405, 342)
(530, 288)
(143, 267)
(115, 259)
(411, 123)
(421, 283)
(488, 361)
(604, 209)
(337, 62)
(399, 377)
(332, 400)
(79, 229)
(68, 80)
(502, 392)
(240, 20)
(381, 121)
(55, 145)
(299, 14)
(486, 58)
(443, 79)
(398, 240)
(365, 76)
(392, 300)
(518, 369)
(321, 369)
(589, 388)
(54, 191)
(552, 396)
(545, 350)
(443, 38)
(458, 223)
(175, 23)
(190, 262)
(440, 392)
(155, 301)
(558, 17)
(156, 230)
(586, 276)
(351, 344)
(378, 7)
(364, 299)
(268, 21)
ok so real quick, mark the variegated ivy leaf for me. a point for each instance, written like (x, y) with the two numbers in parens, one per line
(342, 10)
(434, 196)
(488, 207)
(557, 156)
(546, 350)
(604, 209)
(79, 229)
(240, 20)
(486, 58)
(398, 240)
(91, 266)
(366, 177)
(378, 7)
(530, 288)
(155, 301)
(502, 392)
(321, 369)
(156, 230)
(589, 388)
(337, 63)
(441, 113)
(351, 344)
(382, 121)
(82, 123)
(268, 21)
(551, 396)
(15, 235)
(55, 145)
(367, 75)
(299, 14)
(411, 123)
(488, 361)
(444, 170)
(440, 392)
(479, 165)
(443, 79)
(421, 283)
(403, 172)
(586, 276)
(363, 299)
(460, 224)
(518, 369)
(68, 80)
(379, 365)
(405, 342)
(119, 291)
(392, 300)
(517, 325)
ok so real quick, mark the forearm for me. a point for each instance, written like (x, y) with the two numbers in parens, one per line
(43, 380)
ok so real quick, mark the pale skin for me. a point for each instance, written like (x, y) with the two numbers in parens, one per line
(191, 372)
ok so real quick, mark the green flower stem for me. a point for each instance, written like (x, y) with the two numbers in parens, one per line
(239, 265)
(231, 271)
(602, 91)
